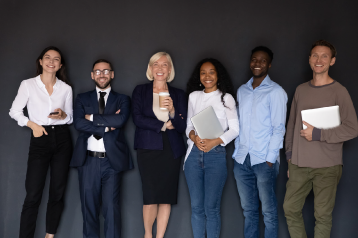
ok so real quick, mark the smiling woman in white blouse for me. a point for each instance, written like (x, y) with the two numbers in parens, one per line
(205, 161)
(48, 99)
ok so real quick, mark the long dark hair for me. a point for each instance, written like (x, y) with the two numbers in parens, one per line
(224, 82)
(61, 73)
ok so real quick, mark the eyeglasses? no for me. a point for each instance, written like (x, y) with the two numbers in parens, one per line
(105, 71)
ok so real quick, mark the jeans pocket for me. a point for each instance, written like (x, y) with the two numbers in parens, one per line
(219, 149)
(36, 137)
(272, 165)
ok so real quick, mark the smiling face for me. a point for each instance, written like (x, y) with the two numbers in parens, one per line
(321, 59)
(209, 77)
(161, 69)
(259, 64)
(102, 80)
(51, 61)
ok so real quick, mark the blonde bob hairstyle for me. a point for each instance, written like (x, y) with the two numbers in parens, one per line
(154, 58)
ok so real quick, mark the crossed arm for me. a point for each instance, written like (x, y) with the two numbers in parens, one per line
(100, 121)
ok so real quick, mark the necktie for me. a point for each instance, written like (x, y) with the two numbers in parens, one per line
(101, 106)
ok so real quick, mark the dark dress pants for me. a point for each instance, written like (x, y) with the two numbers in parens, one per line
(53, 150)
(100, 183)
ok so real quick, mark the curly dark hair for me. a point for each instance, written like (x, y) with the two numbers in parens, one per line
(224, 82)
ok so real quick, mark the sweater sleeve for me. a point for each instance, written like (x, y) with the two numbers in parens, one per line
(291, 127)
(349, 125)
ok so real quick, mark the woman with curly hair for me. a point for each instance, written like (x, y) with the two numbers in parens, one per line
(205, 161)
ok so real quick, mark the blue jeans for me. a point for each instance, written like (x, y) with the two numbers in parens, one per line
(206, 175)
(254, 183)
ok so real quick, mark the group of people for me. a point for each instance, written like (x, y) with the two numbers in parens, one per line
(254, 117)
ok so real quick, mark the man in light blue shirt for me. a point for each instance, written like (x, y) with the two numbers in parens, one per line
(262, 116)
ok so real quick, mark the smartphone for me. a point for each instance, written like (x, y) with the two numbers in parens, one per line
(53, 113)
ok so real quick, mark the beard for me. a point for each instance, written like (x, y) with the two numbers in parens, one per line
(263, 73)
(104, 85)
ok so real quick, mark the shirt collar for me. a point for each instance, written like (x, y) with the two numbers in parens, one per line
(211, 93)
(42, 85)
(267, 81)
(101, 90)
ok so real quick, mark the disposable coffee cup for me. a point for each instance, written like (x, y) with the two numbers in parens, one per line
(162, 96)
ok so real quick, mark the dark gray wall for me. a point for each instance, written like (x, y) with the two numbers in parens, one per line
(128, 33)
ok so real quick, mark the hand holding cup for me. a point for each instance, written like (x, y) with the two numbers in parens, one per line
(166, 102)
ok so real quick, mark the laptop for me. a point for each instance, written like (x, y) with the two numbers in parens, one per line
(206, 124)
(322, 118)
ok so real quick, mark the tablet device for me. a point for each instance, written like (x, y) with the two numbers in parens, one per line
(206, 124)
(322, 118)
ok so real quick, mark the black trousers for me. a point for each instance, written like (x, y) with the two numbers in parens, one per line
(53, 150)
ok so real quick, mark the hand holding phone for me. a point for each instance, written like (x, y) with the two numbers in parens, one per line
(57, 114)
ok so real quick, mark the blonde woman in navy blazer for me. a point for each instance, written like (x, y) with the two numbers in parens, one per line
(159, 141)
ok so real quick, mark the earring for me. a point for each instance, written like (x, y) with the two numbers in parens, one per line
(218, 84)
(200, 85)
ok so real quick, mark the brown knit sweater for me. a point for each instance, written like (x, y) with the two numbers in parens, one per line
(325, 149)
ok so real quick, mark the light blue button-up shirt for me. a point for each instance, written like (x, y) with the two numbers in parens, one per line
(262, 117)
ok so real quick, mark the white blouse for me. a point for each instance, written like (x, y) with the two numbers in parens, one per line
(33, 94)
(199, 100)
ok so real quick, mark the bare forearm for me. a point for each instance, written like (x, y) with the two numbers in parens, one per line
(192, 135)
(31, 124)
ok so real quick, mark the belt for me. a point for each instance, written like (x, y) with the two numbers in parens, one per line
(56, 126)
(96, 154)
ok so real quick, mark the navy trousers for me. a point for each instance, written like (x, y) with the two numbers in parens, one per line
(100, 185)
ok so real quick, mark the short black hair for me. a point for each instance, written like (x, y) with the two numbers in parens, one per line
(102, 61)
(264, 49)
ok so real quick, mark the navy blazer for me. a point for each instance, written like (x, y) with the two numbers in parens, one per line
(148, 127)
(117, 150)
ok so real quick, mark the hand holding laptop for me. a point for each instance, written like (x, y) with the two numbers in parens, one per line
(307, 133)
(207, 126)
(204, 144)
(321, 118)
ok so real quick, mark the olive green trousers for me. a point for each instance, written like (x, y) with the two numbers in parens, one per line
(301, 181)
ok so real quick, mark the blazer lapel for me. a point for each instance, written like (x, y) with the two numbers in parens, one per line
(171, 92)
(109, 102)
(94, 101)
(149, 99)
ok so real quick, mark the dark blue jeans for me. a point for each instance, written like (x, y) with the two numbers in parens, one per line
(254, 183)
(206, 175)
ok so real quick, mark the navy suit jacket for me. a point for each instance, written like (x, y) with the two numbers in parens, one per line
(148, 127)
(117, 150)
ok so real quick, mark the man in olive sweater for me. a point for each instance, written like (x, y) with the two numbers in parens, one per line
(315, 155)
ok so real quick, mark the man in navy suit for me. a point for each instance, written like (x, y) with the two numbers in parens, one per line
(101, 153)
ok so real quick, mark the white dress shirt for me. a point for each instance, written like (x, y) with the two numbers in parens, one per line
(199, 100)
(92, 143)
(33, 94)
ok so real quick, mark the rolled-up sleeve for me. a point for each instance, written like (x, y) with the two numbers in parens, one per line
(232, 119)
(17, 108)
(68, 108)
(190, 114)
(278, 109)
